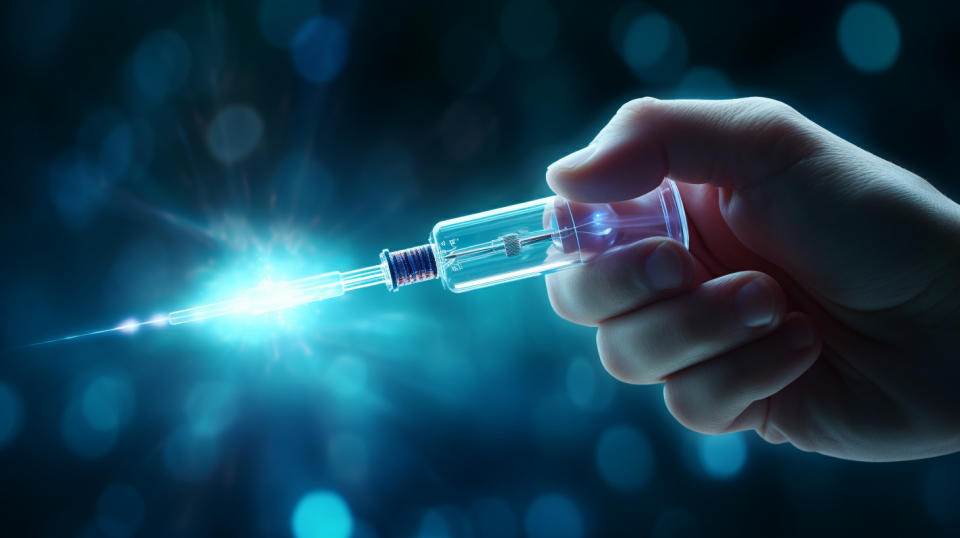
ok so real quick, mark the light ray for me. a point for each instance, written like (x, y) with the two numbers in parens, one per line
(127, 326)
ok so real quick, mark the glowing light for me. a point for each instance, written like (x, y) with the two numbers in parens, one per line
(268, 296)
(647, 41)
(869, 37)
(128, 326)
(11, 414)
(722, 456)
(553, 516)
(624, 458)
(119, 511)
(320, 49)
(654, 48)
(322, 514)
(233, 133)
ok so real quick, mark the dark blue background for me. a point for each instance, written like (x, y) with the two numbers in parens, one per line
(421, 413)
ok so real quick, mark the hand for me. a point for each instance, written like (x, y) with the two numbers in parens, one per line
(819, 303)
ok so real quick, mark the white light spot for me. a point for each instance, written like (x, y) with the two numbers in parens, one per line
(128, 326)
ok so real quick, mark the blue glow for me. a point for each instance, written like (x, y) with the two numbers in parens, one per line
(553, 516)
(722, 456)
(647, 41)
(493, 518)
(704, 83)
(320, 49)
(624, 458)
(654, 48)
(280, 19)
(322, 514)
(161, 64)
(211, 408)
(347, 375)
(348, 457)
(869, 37)
(529, 28)
(107, 402)
(11, 414)
(233, 133)
(581, 382)
(189, 457)
(120, 511)
(80, 437)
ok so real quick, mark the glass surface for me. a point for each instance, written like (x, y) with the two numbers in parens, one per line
(547, 235)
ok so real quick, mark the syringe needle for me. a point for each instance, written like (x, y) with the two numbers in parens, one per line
(271, 296)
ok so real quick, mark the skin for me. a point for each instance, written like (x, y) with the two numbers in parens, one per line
(819, 303)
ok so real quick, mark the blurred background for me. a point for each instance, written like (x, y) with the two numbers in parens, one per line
(158, 155)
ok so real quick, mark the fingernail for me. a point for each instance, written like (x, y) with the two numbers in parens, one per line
(799, 334)
(755, 303)
(664, 268)
(575, 159)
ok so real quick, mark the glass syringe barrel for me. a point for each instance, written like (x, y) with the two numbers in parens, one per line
(547, 235)
(484, 249)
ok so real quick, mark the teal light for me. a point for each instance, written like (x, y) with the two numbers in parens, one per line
(722, 456)
(869, 37)
(322, 514)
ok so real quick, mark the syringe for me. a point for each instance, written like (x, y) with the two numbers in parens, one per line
(493, 247)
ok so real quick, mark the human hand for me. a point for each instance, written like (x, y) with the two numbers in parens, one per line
(819, 303)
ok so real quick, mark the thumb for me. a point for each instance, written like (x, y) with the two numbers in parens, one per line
(730, 143)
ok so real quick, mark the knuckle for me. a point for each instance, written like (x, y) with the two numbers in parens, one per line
(785, 135)
(634, 109)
